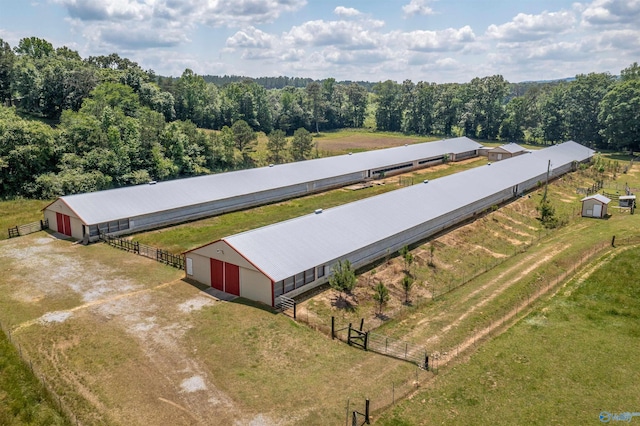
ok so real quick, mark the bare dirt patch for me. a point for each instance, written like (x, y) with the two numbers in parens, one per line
(139, 322)
(362, 142)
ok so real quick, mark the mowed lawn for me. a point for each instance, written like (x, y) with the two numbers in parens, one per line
(565, 363)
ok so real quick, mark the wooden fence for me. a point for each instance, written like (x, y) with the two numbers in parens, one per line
(159, 255)
(29, 228)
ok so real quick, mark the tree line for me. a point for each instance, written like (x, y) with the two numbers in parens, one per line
(72, 124)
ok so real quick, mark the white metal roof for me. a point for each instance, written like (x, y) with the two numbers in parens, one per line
(598, 197)
(139, 200)
(511, 148)
(286, 248)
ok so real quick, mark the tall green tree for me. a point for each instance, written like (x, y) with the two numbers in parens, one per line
(619, 112)
(7, 59)
(582, 105)
(316, 103)
(301, 144)
(343, 277)
(356, 103)
(245, 139)
(276, 146)
(407, 284)
(34, 47)
(381, 296)
(389, 106)
(553, 116)
(27, 149)
(446, 108)
(632, 72)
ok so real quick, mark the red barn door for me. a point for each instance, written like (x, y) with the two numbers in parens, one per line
(232, 279)
(217, 274)
(63, 223)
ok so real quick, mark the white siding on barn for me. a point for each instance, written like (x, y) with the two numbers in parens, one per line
(369, 229)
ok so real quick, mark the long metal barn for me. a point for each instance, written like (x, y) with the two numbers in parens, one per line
(140, 207)
(297, 255)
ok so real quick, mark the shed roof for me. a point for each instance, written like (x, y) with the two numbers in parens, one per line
(511, 148)
(286, 248)
(599, 197)
(139, 200)
(627, 197)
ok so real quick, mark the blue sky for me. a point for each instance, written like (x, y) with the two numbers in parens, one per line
(422, 40)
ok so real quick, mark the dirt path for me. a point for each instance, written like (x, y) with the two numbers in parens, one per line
(510, 280)
(511, 317)
(104, 341)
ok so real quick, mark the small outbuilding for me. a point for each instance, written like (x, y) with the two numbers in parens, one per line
(505, 151)
(628, 201)
(595, 206)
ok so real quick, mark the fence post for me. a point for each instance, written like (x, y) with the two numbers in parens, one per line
(294, 310)
(613, 241)
(333, 327)
(349, 335)
(361, 323)
(367, 420)
(366, 341)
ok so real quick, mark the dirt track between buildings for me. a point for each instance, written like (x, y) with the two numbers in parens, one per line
(114, 341)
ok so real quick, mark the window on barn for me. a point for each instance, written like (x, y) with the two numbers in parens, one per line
(93, 230)
(123, 224)
(299, 280)
(113, 226)
(103, 228)
(288, 284)
(309, 275)
(320, 271)
(278, 288)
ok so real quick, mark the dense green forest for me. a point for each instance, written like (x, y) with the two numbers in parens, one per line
(70, 124)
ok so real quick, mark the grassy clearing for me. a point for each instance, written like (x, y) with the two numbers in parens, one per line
(564, 363)
(183, 237)
(22, 397)
(134, 344)
(19, 212)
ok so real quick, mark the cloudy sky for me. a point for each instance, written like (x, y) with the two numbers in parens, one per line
(422, 40)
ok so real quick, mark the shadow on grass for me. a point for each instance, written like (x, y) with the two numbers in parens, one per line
(254, 304)
(344, 303)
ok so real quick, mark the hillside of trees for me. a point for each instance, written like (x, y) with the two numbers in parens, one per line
(70, 124)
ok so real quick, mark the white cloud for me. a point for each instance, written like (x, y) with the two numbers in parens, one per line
(417, 7)
(620, 40)
(346, 11)
(229, 13)
(447, 40)
(343, 34)
(612, 12)
(250, 38)
(526, 27)
(137, 24)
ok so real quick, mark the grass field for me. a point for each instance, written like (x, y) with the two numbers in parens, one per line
(125, 340)
(23, 401)
(570, 359)
(19, 212)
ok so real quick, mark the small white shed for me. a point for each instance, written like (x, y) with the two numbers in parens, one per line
(595, 206)
(627, 201)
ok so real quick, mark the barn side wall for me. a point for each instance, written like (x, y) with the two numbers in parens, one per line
(367, 255)
(60, 207)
